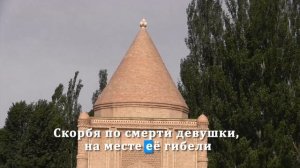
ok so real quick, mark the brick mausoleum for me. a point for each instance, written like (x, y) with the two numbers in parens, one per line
(141, 95)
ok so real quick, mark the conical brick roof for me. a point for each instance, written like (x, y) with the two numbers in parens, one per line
(141, 86)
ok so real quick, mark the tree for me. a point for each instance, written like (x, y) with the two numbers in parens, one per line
(69, 109)
(102, 83)
(27, 138)
(241, 72)
(3, 142)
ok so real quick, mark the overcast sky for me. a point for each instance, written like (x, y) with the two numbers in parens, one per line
(43, 43)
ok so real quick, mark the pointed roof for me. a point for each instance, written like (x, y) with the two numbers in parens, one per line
(141, 79)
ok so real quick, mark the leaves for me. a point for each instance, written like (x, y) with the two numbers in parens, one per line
(241, 73)
(27, 139)
(102, 83)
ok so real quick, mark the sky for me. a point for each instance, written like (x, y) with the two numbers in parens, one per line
(43, 43)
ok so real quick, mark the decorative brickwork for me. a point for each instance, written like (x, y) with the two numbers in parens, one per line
(131, 159)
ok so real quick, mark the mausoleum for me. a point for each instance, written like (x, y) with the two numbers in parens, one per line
(141, 95)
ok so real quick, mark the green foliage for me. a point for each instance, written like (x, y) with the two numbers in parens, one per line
(3, 142)
(102, 83)
(27, 139)
(69, 107)
(243, 72)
